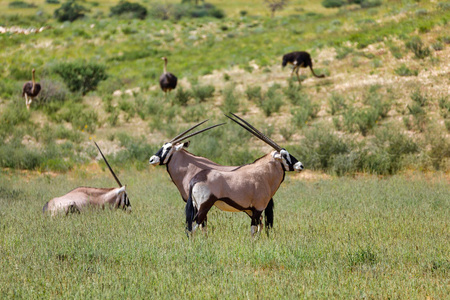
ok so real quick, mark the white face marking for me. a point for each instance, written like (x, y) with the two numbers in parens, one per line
(154, 160)
(298, 166)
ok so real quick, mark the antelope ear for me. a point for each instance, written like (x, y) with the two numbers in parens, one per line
(186, 144)
(277, 156)
(121, 190)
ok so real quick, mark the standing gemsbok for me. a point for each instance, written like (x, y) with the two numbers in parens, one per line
(248, 188)
(183, 165)
(82, 197)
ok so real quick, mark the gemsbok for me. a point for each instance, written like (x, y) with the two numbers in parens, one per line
(248, 188)
(183, 165)
(83, 197)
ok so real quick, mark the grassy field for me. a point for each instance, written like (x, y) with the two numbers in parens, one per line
(368, 219)
(341, 238)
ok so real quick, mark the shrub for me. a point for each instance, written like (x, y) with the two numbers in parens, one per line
(70, 11)
(21, 4)
(416, 45)
(230, 101)
(80, 76)
(272, 101)
(52, 1)
(253, 93)
(182, 96)
(361, 256)
(135, 151)
(319, 147)
(396, 51)
(336, 103)
(129, 9)
(370, 3)
(194, 113)
(52, 91)
(203, 92)
(81, 119)
(403, 70)
(333, 3)
(438, 46)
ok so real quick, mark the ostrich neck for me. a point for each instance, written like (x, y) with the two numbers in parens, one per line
(165, 66)
(34, 83)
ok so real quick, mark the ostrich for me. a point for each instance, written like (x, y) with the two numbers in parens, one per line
(300, 59)
(167, 80)
(30, 90)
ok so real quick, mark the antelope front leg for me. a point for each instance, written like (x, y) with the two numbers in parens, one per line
(256, 222)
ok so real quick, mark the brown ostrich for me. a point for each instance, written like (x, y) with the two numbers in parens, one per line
(30, 90)
(167, 80)
(300, 59)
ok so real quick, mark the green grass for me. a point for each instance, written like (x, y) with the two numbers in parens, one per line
(341, 238)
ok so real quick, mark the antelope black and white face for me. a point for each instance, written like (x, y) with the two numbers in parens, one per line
(164, 154)
(124, 201)
(289, 162)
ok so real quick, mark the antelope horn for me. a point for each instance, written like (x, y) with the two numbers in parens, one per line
(112, 172)
(183, 133)
(197, 132)
(256, 132)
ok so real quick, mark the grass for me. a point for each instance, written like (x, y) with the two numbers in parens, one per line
(342, 238)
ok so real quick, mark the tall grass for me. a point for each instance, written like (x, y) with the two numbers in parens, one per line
(343, 238)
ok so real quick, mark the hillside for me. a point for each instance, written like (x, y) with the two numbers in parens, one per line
(383, 107)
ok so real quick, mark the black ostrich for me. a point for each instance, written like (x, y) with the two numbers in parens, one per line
(30, 90)
(300, 59)
(167, 80)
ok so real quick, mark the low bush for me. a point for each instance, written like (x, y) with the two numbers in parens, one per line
(403, 70)
(21, 4)
(272, 100)
(52, 91)
(81, 76)
(230, 100)
(333, 3)
(80, 118)
(416, 45)
(336, 103)
(370, 3)
(203, 92)
(182, 96)
(135, 151)
(129, 10)
(70, 11)
(253, 93)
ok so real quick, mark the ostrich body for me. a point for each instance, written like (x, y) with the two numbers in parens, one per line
(300, 59)
(30, 90)
(167, 80)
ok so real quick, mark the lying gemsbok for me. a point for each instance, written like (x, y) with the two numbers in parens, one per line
(82, 197)
(248, 188)
(183, 165)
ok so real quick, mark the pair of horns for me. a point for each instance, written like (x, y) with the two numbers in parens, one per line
(181, 136)
(112, 172)
(255, 132)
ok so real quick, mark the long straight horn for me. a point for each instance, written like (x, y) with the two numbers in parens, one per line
(183, 133)
(255, 132)
(112, 172)
(266, 138)
(197, 132)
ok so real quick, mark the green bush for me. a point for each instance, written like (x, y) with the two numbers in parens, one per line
(336, 103)
(182, 96)
(272, 101)
(403, 70)
(136, 151)
(52, 91)
(253, 93)
(132, 10)
(203, 92)
(333, 3)
(370, 3)
(183, 10)
(230, 101)
(52, 1)
(81, 118)
(70, 11)
(81, 76)
(21, 4)
(416, 45)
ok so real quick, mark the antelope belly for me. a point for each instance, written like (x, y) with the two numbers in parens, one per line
(225, 207)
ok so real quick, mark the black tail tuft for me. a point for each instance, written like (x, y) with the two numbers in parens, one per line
(190, 212)
(45, 208)
(268, 212)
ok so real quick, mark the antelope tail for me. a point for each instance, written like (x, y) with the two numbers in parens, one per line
(268, 213)
(318, 76)
(190, 212)
(45, 208)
